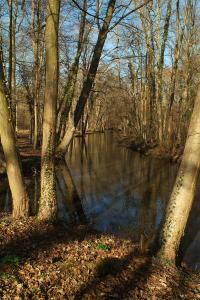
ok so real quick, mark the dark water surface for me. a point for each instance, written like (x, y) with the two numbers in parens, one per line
(116, 190)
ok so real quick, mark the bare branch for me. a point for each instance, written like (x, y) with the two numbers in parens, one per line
(89, 14)
(120, 19)
(129, 13)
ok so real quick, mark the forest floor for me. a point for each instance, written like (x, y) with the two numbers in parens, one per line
(54, 261)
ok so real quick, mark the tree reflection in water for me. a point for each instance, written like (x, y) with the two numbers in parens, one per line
(116, 190)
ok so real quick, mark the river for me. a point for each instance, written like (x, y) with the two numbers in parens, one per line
(116, 190)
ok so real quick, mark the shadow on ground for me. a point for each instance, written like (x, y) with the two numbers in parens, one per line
(74, 262)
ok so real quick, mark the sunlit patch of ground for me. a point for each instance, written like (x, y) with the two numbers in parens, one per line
(54, 261)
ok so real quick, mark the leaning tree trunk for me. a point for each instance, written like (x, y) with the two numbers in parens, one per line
(15, 177)
(48, 201)
(66, 103)
(89, 81)
(183, 192)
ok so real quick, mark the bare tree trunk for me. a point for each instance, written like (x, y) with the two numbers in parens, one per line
(36, 27)
(183, 192)
(13, 10)
(178, 43)
(89, 81)
(10, 4)
(15, 177)
(13, 73)
(72, 78)
(160, 65)
(149, 99)
(48, 201)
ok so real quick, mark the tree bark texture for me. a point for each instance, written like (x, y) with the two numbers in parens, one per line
(15, 177)
(48, 201)
(183, 192)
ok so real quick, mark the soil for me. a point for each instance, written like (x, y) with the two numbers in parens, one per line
(58, 261)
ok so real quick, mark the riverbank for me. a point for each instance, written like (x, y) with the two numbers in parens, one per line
(151, 149)
(30, 158)
(55, 261)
